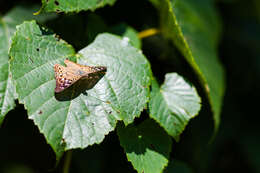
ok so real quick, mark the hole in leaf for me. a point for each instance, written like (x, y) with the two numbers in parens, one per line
(38, 49)
(56, 3)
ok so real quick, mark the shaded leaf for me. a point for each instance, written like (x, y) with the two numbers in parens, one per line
(127, 31)
(97, 25)
(7, 28)
(194, 27)
(73, 6)
(77, 118)
(176, 166)
(147, 146)
(174, 104)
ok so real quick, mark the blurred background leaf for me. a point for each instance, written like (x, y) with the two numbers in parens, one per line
(194, 28)
(176, 166)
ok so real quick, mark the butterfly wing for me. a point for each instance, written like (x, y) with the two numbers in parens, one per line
(94, 70)
(71, 64)
(83, 70)
(64, 77)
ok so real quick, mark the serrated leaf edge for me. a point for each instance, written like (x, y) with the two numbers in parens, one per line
(177, 137)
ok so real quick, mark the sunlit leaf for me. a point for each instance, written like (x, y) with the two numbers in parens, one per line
(7, 28)
(174, 104)
(78, 118)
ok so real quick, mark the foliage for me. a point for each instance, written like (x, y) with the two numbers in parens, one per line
(174, 40)
(194, 28)
(75, 120)
(7, 28)
(174, 104)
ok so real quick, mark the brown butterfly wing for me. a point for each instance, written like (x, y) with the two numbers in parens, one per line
(64, 77)
(71, 64)
(84, 70)
(94, 70)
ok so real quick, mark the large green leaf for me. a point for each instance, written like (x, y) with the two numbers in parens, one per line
(77, 119)
(147, 146)
(7, 28)
(125, 85)
(174, 104)
(73, 5)
(194, 27)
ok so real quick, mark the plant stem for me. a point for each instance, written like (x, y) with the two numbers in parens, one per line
(67, 161)
(148, 33)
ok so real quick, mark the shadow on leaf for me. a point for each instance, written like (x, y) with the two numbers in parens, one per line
(147, 137)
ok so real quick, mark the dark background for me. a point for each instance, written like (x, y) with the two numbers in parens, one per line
(236, 147)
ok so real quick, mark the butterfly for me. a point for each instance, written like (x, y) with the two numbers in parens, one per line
(67, 76)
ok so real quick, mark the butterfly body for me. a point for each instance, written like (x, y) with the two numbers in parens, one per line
(67, 76)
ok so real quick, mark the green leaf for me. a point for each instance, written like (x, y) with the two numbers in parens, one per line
(73, 5)
(77, 119)
(147, 146)
(6, 86)
(174, 104)
(129, 32)
(128, 79)
(97, 25)
(176, 166)
(7, 28)
(194, 27)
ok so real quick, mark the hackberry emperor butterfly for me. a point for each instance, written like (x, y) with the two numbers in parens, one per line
(66, 76)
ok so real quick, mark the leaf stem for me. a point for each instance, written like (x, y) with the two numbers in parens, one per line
(67, 161)
(148, 33)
